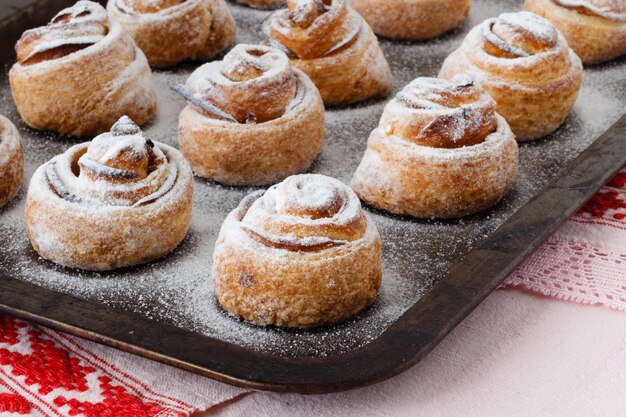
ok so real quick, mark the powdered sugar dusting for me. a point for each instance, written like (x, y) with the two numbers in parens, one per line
(252, 84)
(523, 35)
(304, 211)
(243, 219)
(298, 27)
(440, 112)
(538, 26)
(85, 23)
(416, 254)
(115, 169)
(609, 9)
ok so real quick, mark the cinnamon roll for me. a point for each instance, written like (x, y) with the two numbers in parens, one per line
(172, 31)
(301, 254)
(251, 119)
(413, 19)
(117, 201)
(263, 4)
(81, 73)
(11, 160)
(594, 29)
(334, 46)
(440, 151)
(524, 63)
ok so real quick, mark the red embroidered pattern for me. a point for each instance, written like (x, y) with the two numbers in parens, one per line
(605, 201)
(618, 181)
(610, 201)
(62, 382)
(13, 403)
(8, 329)
(117, 403)
(48, 366)
(116, 374)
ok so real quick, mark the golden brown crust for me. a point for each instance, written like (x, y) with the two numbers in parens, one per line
(334, 46)
(252, 118)
(318, 262)
(470, 170)
(117, 201)
(441, 114)
(81, 73)
(413, 19)
(524, 63)
(175, 31)
(11, 160)
(594, 29)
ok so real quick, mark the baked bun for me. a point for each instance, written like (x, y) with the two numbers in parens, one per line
(440, 151)
(251, 119)
(117, 201)
(334, 46)
(11, 161)
(594, 29)
(79, 74)
(524, 63)
(413, 19)
(301, 254)
(172, 31)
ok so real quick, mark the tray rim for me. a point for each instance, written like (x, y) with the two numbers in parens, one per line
(404, 343)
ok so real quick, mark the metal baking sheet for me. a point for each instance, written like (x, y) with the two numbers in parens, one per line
(434, 272)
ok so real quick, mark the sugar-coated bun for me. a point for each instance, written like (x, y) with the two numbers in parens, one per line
(440, 151)
(117, 201)
(301, 254)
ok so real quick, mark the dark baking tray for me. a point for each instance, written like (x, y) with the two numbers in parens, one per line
(436, 273)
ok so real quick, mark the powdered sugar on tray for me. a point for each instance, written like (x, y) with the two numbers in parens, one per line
(416, 254)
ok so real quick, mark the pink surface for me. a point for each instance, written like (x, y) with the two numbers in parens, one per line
(585, 261)
(520, 353)
(515, 355)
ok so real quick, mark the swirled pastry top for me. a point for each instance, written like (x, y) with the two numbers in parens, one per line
(312, 28)
(441, 113)
(71, 30)
(521, 46)
(253, 84)
(118, 168)
(607, 9)
(146, 6)
(305, 213)
(518, 35)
